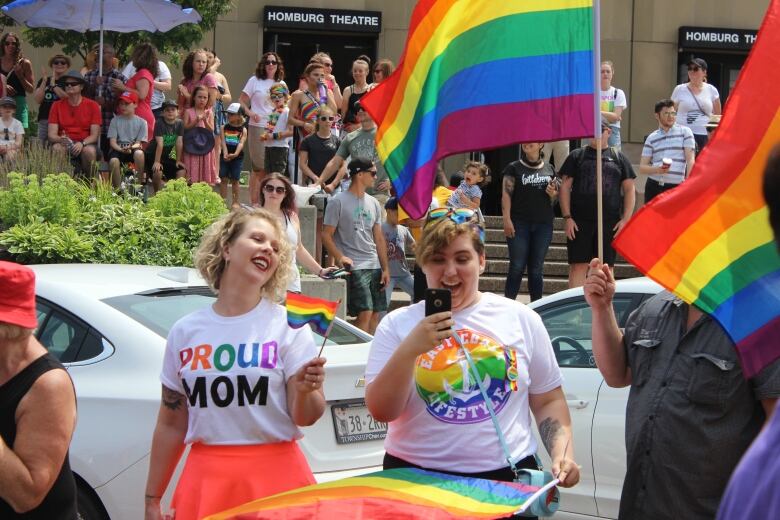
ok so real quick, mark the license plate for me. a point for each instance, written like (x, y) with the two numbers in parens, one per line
(353, 423)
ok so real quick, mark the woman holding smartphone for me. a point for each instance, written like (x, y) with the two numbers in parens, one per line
(419, 381)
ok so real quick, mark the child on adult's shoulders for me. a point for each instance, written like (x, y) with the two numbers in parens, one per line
(233, 139)
(127, 137)
(165, 153)
(469, 193)
(278, 131)
(11, 130)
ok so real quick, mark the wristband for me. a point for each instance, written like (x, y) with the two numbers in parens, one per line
(567, 217)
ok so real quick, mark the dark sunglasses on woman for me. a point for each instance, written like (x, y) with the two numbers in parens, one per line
(326, 118)
(270, 189)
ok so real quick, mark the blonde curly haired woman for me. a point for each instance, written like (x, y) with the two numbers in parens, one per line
(237, 380)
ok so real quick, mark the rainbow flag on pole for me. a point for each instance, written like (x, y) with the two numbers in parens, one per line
(302, 309)
(478, 75)
(709, 241)
(395, 493)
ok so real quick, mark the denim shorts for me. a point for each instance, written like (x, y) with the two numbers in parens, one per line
(230, 169)
(365, 292)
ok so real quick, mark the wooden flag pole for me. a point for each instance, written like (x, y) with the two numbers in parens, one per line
(597, 133)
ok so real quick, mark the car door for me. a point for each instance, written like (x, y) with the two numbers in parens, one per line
(568, 322)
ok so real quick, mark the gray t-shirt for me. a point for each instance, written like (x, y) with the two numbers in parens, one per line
(127, 130)
(360, 145)
(396, 238)
(354, 219)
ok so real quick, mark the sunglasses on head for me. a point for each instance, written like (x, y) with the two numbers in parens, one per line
(59, 62)
(326, 118)
(278, 189)
(458, 216)
(271, 62)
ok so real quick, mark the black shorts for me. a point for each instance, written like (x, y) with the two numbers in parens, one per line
(584, 247)
(124, 158)
(276, 159)
(169, 169)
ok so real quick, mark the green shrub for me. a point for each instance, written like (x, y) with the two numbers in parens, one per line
(62, 220)
(36, 160)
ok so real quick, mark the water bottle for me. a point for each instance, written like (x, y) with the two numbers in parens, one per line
(323, 90)
(68, 143)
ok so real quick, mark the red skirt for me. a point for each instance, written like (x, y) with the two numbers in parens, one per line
(216, 478)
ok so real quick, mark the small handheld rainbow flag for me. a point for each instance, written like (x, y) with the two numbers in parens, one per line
(302, 309)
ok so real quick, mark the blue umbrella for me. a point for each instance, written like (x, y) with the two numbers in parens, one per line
(101, 15)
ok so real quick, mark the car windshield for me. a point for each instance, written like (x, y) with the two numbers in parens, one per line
(159, 310)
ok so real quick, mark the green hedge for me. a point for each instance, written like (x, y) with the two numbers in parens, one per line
(58, 219)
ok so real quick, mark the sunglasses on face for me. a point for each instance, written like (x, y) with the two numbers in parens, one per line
(271, 62)
(278, 189)
(71, 84)
(669, 114)
(277, 96)
(372, 172)
(59, 62)
(326, 118)
(327, 65)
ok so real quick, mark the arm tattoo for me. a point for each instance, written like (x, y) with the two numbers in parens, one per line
(549, 429)
(509, 185)
(172, 400)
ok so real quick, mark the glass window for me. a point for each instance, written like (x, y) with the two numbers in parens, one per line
(159, 310)
(62, 336)
(569, 325)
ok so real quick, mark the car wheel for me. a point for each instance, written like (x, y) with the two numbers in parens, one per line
(88, 504)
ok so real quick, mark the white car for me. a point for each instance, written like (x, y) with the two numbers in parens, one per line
(598, 412)
(108, 324)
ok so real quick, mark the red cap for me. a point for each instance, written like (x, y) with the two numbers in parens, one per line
(17, 304)
(129, 96)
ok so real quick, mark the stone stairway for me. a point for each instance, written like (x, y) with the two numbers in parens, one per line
(556, 267)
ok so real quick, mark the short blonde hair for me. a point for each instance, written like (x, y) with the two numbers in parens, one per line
(11, 332)
(440, 233)
(211, 263)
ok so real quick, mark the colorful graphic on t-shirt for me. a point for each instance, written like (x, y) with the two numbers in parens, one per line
(232, 139)
(228, 387)
(448, 387)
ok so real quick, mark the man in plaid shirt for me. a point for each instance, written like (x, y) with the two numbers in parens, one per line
(103, 89)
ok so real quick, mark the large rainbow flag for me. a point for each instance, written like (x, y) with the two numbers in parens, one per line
(302, 309)
(478, 75)
(393, 494)
(709, 241)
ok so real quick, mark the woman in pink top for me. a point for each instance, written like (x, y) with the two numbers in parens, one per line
(195, 72)
(145, 61)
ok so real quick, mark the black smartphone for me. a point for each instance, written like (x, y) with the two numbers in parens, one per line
(437, 300)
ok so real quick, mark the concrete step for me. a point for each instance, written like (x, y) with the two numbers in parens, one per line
(497, 236)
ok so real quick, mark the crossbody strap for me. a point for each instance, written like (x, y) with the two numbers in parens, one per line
(488, 403)
(697, 101)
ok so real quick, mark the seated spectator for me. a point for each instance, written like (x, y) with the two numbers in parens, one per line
(166, 149)
(11, 130)
(126, 137)
(74, 123)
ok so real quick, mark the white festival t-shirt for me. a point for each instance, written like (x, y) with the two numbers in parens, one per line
(233, 372)
(445, 424)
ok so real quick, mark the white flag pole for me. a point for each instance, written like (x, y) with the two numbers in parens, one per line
(597, 133)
